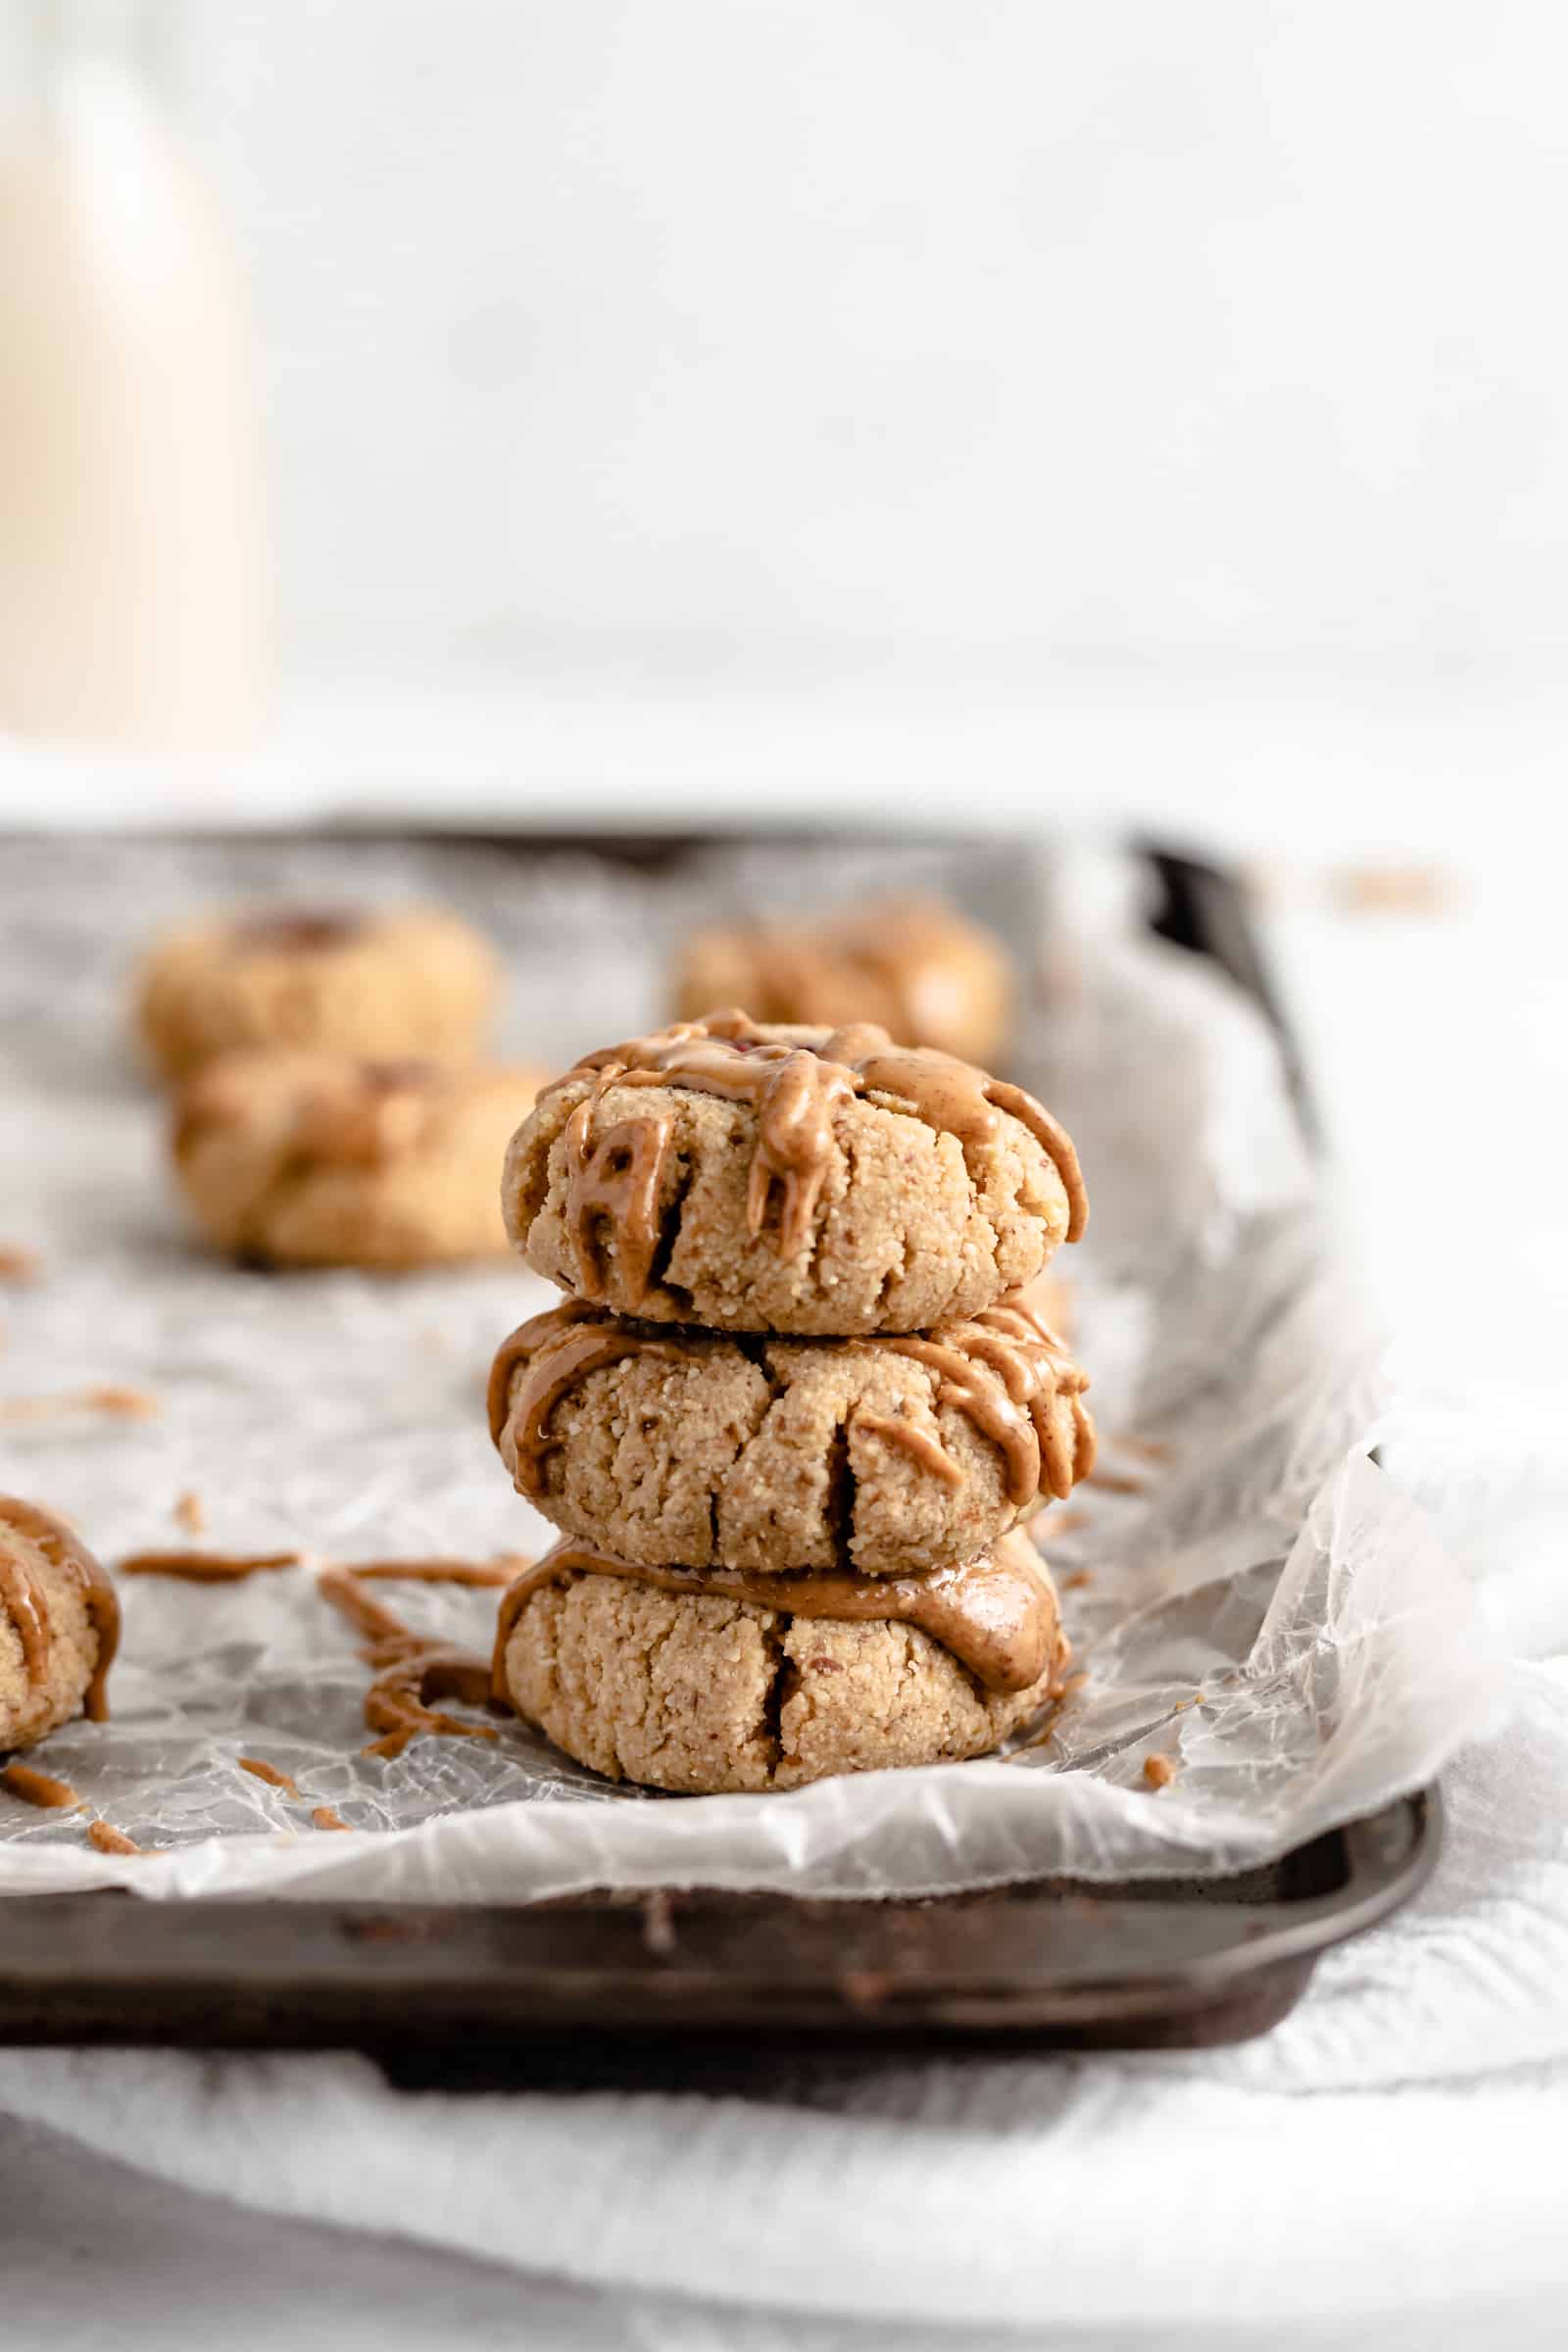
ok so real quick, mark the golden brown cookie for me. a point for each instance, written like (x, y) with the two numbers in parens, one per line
(914, 965)
(58, 1626)
(707, 1691)
(887, 1455)
(803, 1181)
(399, 982)
(315, 1159)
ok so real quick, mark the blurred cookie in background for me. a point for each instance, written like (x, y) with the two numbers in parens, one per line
(916, 966)
(320, 1160)
(384, 983)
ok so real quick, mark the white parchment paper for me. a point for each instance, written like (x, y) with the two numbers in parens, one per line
(1250, 1597)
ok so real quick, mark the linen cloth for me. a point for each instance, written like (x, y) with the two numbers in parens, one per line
(1390, 2156)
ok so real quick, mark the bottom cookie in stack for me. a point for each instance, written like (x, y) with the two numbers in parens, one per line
(714, 1681)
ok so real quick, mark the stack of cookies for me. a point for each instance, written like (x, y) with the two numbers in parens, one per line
(794, 1410)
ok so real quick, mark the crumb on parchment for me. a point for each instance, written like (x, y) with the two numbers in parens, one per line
(118, 1403)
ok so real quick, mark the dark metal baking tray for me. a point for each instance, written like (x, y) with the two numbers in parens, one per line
(655, 1988)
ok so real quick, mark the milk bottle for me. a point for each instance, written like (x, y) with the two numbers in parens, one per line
(128, 538)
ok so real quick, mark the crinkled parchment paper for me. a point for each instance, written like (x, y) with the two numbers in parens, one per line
(1250, 1597)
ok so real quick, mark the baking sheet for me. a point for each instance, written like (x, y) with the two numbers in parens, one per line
(1250, 1597)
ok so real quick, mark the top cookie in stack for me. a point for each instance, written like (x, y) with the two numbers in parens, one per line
(802, 1181)
(792, 1525)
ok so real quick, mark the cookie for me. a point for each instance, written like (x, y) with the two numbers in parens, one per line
(402, 982)
(315, 1159)
(645, 1676)
(801, 1181)
(914, 966)
(58, 1626)
(887, 1455)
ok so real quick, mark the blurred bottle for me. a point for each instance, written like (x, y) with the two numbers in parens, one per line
(129, 607)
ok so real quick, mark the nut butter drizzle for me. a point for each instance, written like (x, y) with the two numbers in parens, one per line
(1004, 1368)
(616, 1176)
(107, 1839)
(208, 1567)
(26, 1599)
(411, 1669)
(553, 1351)
(796, 1086)
(997, 1614)
(479, 1573)
(1005, 1371)
(398, 1702)
(37, 1787)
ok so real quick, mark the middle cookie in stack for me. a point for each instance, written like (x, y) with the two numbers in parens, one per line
(787, 1554)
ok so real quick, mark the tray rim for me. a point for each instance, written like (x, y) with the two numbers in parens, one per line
(187, 1958)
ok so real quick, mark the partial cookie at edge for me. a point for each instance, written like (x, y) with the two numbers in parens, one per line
(59, 1625)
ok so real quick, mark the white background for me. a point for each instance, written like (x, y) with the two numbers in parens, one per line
(966, 340)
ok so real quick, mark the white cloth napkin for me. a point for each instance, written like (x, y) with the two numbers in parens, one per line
(1393, 2152)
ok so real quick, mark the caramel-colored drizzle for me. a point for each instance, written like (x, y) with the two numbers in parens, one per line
(28, 1606)
(259, 1769)
(109, 1841)
(615, 1177)
(955, 1096)
(926, 1448)
(412, 1670)
(1005, 1371)
(553, 1351)
(398, 1701)
(478, 1573)
(36, 1788)
(111, 1398)
(208, 1567)
(997, 1614)
(796, 1089)
(342, 1589)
